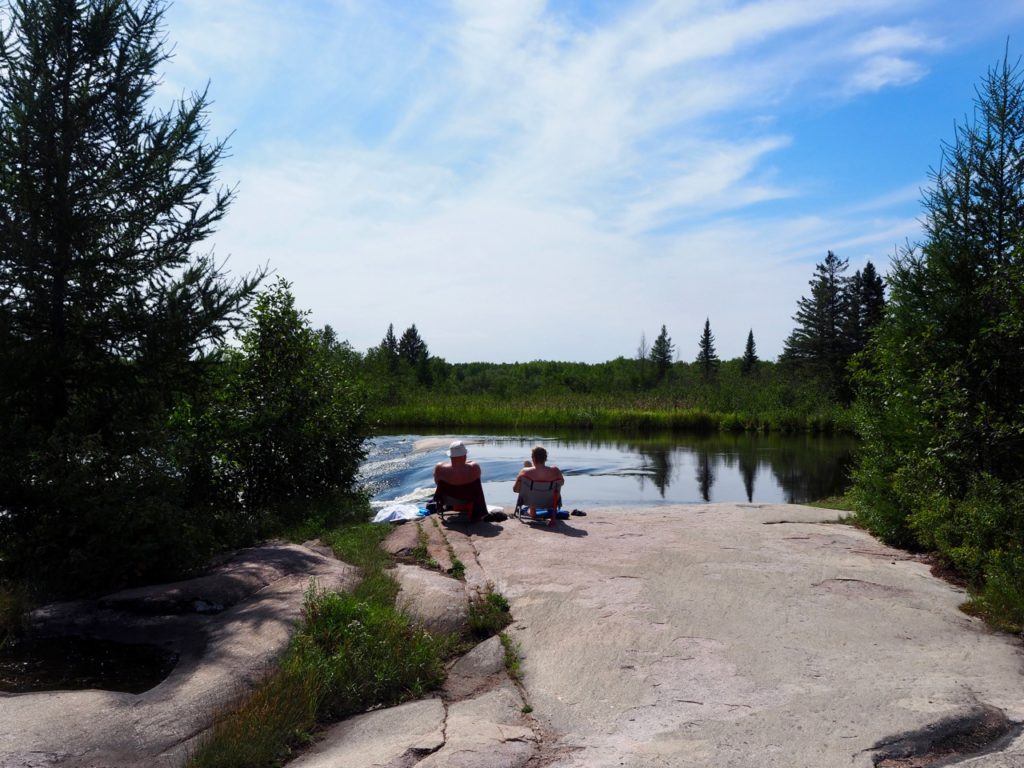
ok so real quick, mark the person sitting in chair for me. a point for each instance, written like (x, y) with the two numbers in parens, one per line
(539, 472)
(458, 483)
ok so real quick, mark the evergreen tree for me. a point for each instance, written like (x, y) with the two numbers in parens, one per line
(865, 305)
(707, 358)
(941, 401)
(662, 353)
(820, 344)
(413, 350)
(411, 346)
(872, 297)
(389, 348)
(750, 359)
(106, 311)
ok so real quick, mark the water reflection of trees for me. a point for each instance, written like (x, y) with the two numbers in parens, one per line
(658, 461)
(705, 474)
(805, 467)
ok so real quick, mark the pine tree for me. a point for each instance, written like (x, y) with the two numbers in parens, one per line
(820, 343)
(389, 348)
(411, 346)
(707, 358)
(662, 353)
(872, 298)
(750, 358)
(106, 311)
(865, 295)
(413, 350)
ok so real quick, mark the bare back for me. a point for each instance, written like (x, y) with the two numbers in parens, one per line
(539, 474)
(462, 473)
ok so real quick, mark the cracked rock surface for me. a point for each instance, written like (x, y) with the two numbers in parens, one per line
(741, 635)
(478, 724)
(227, 628)
(395, 737)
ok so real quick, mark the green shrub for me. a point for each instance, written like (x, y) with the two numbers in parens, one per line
(940, 401)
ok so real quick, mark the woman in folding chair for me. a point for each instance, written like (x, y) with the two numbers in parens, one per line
(540, 488)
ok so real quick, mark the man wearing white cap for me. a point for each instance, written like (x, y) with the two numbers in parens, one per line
(458, 483)
(458, 471)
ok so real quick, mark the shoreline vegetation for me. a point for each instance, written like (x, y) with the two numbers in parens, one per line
(597, 414)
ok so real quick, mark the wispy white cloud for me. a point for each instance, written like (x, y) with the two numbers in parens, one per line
(436, 163)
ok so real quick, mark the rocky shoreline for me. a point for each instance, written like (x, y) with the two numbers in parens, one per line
(694, 635)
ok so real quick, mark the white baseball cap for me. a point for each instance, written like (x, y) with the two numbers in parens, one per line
(458, 448)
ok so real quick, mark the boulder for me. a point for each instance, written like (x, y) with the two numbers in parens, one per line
(462, 546)
(397, 736)
(436, 602)
(480, 669)
(437, 545)
(403, 540)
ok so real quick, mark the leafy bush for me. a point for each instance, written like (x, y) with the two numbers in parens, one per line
(289, 416)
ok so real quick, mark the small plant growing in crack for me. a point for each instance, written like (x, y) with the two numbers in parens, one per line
(419, 552)
(527, 709)
(489, 614)
(513, 659)
(458, 569)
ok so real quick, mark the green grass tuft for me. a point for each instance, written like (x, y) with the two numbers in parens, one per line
(458, 568)
(489, 615)
(842, 503)
(513, 656)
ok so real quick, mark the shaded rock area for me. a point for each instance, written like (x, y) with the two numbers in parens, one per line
(978, 730)
(226, 627)
(755, 636)
(480, 669)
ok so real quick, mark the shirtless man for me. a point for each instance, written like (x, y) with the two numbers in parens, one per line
(539, 472)
(458, 471)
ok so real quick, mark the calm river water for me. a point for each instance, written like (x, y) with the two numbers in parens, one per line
(616, 469)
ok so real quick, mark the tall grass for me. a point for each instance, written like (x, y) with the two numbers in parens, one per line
(592, 412)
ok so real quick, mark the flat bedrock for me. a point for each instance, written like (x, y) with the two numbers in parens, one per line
(743, 635)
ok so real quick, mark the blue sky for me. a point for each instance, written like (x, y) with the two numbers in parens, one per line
(546, 180)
